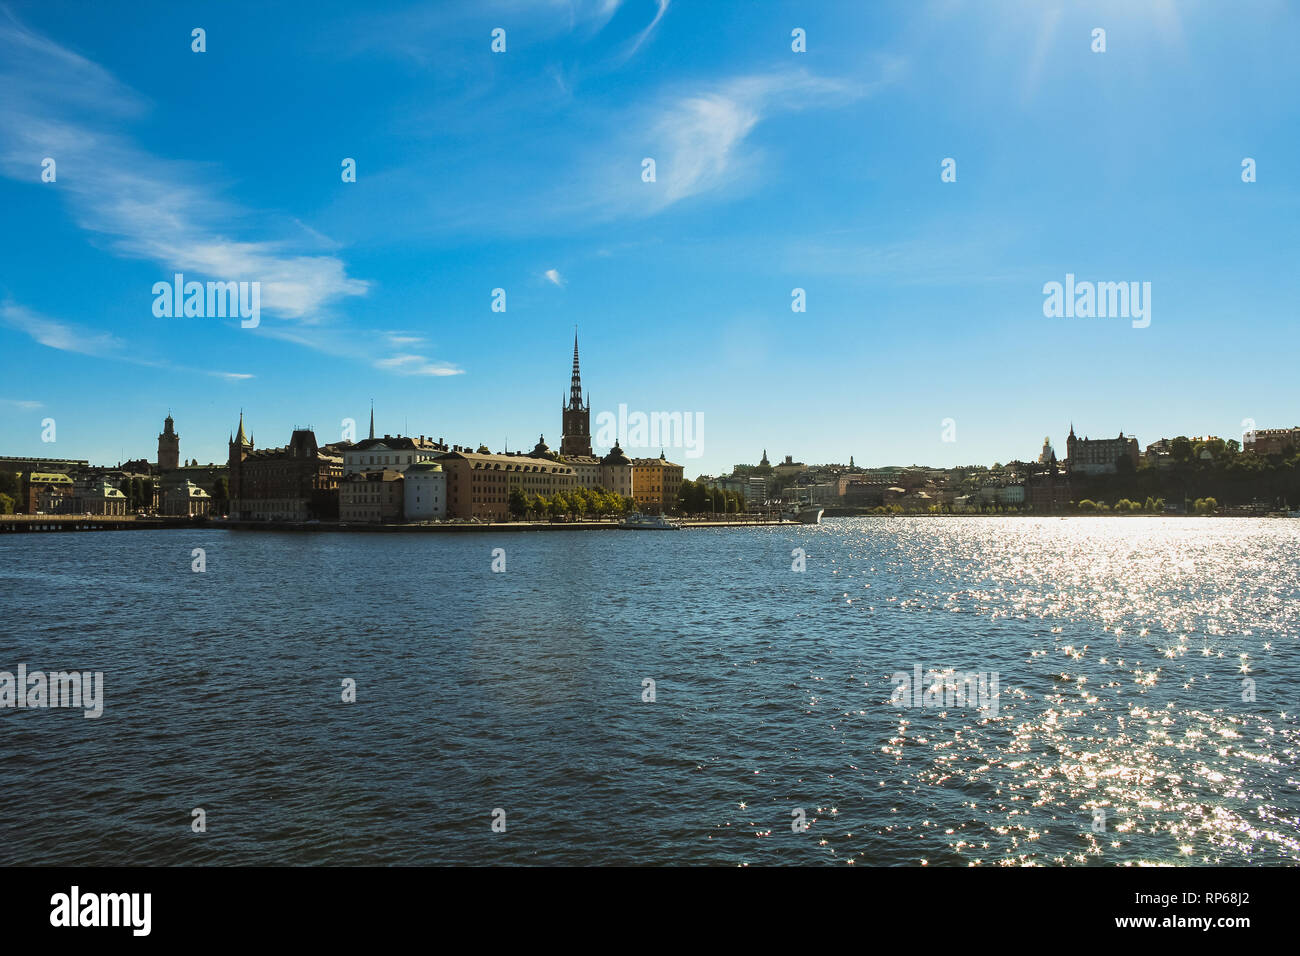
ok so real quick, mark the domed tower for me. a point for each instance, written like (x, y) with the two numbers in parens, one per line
(576, 435)
(169, 446)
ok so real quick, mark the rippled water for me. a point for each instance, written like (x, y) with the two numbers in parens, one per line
(1121, 644)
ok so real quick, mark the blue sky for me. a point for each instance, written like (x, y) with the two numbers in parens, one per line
(775, 170)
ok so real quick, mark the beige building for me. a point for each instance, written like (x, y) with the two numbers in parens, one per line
(187, 498)
(479, 485)
(98, 498)
(372, 497)
(616, 472)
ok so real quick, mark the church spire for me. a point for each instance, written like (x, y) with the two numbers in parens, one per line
(240, 437)
(575, 385)
(372, 419)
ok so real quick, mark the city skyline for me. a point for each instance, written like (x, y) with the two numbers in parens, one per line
(522, 171)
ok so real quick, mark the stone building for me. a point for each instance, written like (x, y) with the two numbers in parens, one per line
(187, 498)
(372, 497)
(1099, 456)
(616, 472)
(297, 482)
(45, 492)
(479, 485)
(98, 497)
(656, 483)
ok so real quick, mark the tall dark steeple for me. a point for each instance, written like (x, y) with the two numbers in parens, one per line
(240, 448)
(576, 433)
(372, 419)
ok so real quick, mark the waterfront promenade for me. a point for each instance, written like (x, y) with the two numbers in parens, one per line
(54, 523)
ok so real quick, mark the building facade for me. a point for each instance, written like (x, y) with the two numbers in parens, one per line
(616, 472)
(98, 497)
(656, 484)
(372, 497)
(298, 482)
(1271, 441)
(479, 485)
(425, 492)
(392, 452)
(1099, 456)
(187, 498)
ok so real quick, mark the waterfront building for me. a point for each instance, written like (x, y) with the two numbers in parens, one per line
(372, 497)
(98, 497)
(586, 469)
(186, 498)
(656, 483)
(1099, 456)
(575, 437)
(46, 492)
(616, 472)
(479, 485)
(295, 483)
(425, 492)
(1272, 441)
(392, 452)
(1048, 491)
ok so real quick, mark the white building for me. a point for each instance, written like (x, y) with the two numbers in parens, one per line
(425, 492)
(390, 453)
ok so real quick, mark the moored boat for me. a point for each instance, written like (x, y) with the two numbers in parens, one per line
(639, 522)
(806, 513)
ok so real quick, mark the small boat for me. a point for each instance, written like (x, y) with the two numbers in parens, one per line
(639, 522)
(804, 513)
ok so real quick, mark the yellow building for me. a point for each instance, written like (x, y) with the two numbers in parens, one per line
(656, 483)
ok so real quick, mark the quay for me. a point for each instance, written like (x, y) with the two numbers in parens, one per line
(30, 524)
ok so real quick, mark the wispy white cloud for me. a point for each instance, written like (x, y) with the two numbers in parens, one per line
(56, 104)
(553, 276)
(645, 34)
(82, 340)
(415, 365)
(24, 405)
(700, 139)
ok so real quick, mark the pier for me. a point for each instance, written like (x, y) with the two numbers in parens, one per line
(31, 524)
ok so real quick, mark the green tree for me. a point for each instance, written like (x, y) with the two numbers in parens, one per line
(6, 504)
(517, 504)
